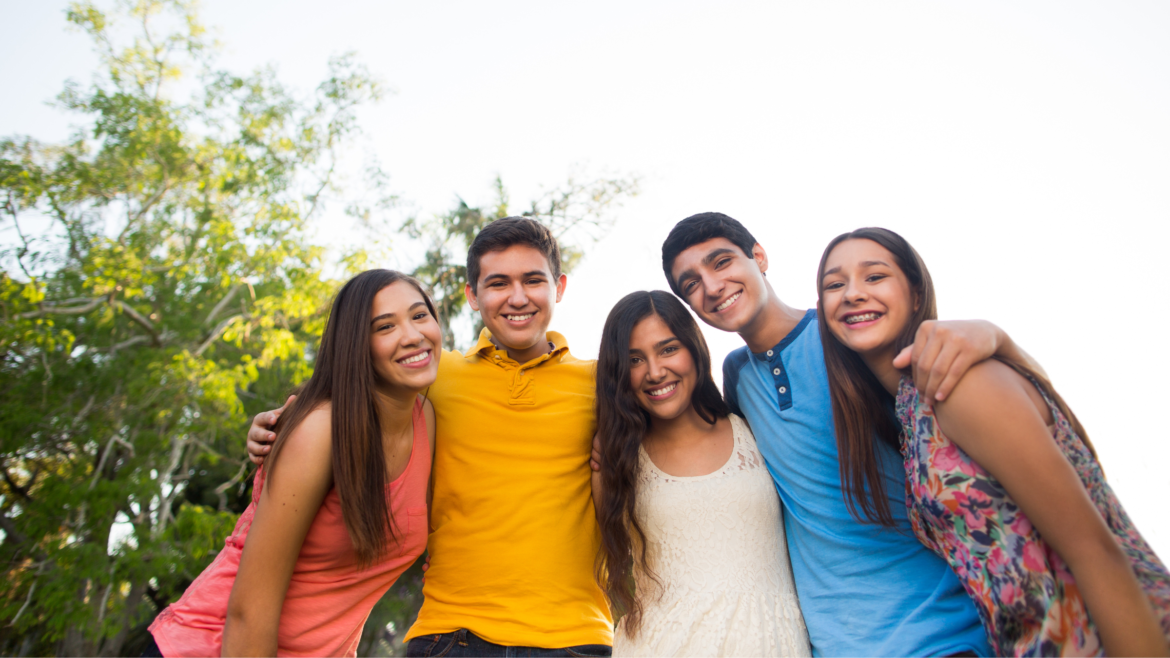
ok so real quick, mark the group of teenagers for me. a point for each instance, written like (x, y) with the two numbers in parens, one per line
(871, 481)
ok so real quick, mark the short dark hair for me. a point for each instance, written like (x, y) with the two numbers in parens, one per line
(700, 228)
(507, 231)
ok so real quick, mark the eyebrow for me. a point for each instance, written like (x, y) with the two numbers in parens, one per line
(390, 315)
(707, 260)
(866, 263)
(660, 344)
(526, 275)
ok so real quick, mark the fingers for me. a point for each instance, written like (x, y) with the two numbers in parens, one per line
(260, 435)
(925, 351)
(941, 372)
(258, 451)
(595, 454)
(903, 359)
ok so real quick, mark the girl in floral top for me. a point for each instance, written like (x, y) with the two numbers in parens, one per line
(1002, 481)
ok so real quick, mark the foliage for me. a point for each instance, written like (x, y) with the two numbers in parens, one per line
(169, 292)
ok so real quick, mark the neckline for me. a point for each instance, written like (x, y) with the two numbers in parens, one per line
(787, 340)
(735, 442)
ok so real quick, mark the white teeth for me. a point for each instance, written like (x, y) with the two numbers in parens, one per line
(416, 358)
(864, 317)
(518, 318)
(664, 390)
(728, 302)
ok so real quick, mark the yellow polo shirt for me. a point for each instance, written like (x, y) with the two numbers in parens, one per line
(514, 537)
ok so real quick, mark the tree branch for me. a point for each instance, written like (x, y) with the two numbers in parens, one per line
(61, 310)
(216, 333)
(137, 317)
(227, 299)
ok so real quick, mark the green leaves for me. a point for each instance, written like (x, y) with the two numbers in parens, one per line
(168, 292)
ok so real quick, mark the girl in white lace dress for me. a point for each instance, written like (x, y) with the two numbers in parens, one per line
(693, 552)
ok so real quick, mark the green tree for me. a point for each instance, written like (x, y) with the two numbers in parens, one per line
(161, 288)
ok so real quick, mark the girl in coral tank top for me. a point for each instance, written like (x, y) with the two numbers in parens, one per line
(339, 509)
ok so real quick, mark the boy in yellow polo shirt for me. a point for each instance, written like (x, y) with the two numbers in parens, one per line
(514, 537)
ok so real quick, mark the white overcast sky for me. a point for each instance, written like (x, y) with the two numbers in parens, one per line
(1022, 147)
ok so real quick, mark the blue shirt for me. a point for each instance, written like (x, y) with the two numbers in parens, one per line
(865, 590)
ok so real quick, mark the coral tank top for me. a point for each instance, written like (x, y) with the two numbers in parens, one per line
(328, 598)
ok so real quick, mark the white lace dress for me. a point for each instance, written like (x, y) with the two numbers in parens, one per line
(716, 542)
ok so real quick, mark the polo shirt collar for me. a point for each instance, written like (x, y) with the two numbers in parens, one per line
(774, 353)
(486, 348)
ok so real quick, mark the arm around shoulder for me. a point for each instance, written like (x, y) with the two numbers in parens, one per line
(293, 492)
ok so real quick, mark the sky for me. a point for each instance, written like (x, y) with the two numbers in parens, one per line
(1022, 147)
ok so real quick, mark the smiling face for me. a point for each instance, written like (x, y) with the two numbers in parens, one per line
(404, 339)
(867, 299)
(724, 286)
(663, 375)
(515, 296)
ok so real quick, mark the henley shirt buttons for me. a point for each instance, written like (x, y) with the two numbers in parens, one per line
(769, 352)
(775, 371)
(783, 390)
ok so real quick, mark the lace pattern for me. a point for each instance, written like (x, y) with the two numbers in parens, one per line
(716, 543)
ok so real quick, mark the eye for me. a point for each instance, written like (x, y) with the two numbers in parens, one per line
(635, 360)
(872, 278)
(670, 349)
(722, 261)
(688, 287)
(383, 326)
(834, 285)
(421, 314)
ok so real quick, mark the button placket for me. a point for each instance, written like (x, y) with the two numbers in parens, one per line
(780, 379)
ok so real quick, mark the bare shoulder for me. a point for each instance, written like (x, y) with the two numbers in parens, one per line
(313, 437)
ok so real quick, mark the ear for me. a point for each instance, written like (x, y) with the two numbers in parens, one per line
(760, 257)
(562, 281)
(472, 301)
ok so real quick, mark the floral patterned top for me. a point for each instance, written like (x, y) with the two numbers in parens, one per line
(1023, 590)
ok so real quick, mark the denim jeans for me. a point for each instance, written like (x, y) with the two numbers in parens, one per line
(464, 644)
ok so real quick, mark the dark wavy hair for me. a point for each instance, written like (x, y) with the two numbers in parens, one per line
(621, 426)
(862, 408)
(344, 376)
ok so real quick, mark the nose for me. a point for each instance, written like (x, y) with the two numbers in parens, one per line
(655, 371)
(712, 285)
(518, 298)
(411, 334)
(854, 292)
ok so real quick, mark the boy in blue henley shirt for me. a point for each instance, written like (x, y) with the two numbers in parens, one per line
(865, 589)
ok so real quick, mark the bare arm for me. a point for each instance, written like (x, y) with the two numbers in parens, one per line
(1014, 445)
(287, 506)
(943, 351)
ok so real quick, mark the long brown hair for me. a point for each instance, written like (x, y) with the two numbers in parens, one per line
(862, 408)
(621, 427)
(344, 376)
